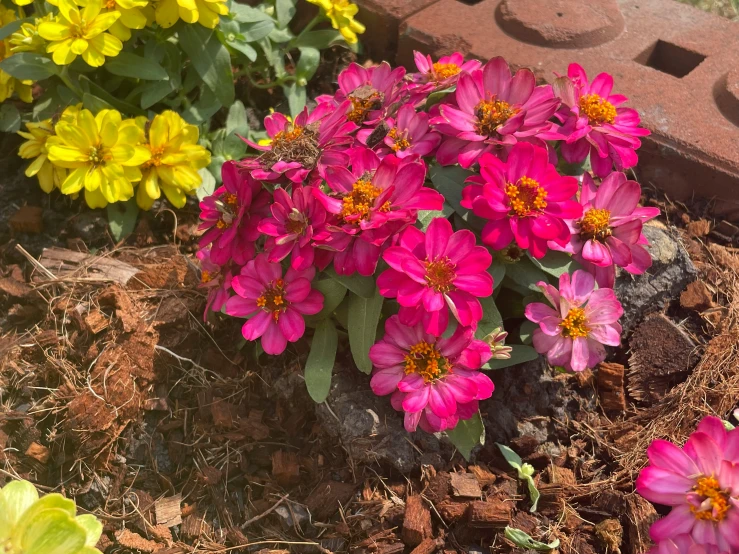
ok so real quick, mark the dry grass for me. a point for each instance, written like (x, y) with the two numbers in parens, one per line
(724, 8)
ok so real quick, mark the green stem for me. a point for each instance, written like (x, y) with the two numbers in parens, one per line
(312, 23)
(64, 76)
(276, 83)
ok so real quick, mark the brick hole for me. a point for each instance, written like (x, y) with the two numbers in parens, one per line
(670, 58)
(470, 2)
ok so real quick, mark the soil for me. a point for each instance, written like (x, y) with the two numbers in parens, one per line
(115, 392)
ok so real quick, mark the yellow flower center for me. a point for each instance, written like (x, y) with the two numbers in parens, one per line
(400, 139)
(228, 205)
(597, 110)
(440, 274)
(573, 326)
(206, 276)
(716, 503)
(156, 157)
(491, 114)
(364, 100)
(357, 204)
(273, 299)
(98, 156)
(426, 360)
(526, 197)
(110, 4)
(445, 70)
(294, 144)
(595, 224)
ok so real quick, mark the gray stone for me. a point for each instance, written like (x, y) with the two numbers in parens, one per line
(670, 273)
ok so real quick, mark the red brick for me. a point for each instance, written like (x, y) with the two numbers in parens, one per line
(673, 61)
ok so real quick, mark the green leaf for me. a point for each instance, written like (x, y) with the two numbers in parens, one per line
(320, 362)
(555, 263)
(208, 185)
(155, 92)
(308, 63)
(10, 118)
(513, 459)
(523, 540)
(122, 218)
(467, 435)
(449, 181)
(525, 472)
(319, 39)
(425, 217)
(28, 65)
(296, 97)
(526, 332)
(52, 530)
(358, 284)
(247, 14)
(211, 60)
(96, 90)
(364, 315)
(520, 353)
(436, 97)
(130, 65)
(333, 294)
(12, 27)
(285, 12)
(241, 46)
(93, 103)
(202, 110)
(236, 121)
(256, 30)
(93, 528)
(15, 498)
(491, 318)
(526, 274)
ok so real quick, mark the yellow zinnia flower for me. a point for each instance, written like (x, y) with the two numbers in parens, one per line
(49, 175)
(103, 154)
(81, 34)
(8, 83)
(205, 12)
(341, 13)
(27, 39)
(132, 16)
(175, 160)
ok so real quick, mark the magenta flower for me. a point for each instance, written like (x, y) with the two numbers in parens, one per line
(701, 483)
(685, 544)
(572, 334)
(294, 222)
(444, 73)
(491, 109)
(523, 199)
(430, 272)
(300, 151)
(231, 216)
(215, 279)
(596, 124)
(409, 134)
(609, 233)
(274, 305)
(371, 201)
(436, 381)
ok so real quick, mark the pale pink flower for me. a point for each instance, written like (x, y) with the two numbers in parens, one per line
(409, 134)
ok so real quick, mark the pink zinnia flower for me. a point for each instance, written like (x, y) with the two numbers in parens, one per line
(685, 544)
(491, 109)
(572, 334)
(231, 215)
(294, 222)
(701, 483)
(430, 272)
(436, 381)
(300, 150)
(595, 124)
(609, 233)
(444, 73)
(524, 199)
(371, 201)
(215, 279)
(274, 305)
(409, 134)
(369, 90)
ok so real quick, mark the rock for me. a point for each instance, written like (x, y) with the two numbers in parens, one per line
(367, 425)
(671, 271)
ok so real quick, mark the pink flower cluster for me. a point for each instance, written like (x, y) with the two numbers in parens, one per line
(700, 482)
(340, 188)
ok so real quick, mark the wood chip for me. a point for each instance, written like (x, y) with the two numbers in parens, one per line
(13, 287)
(27, 220)
(95, 321)
(484, 476)
(417, 521)
(611, 391)
(132, 540)
(466, 484)
(194, 525)
(452, 511)
(697, 296)
(285, 468)
(168, 511)
(65, 263)
(325, 499)
(640, 515)
(493, 513)
(38, 452)
(427, 546)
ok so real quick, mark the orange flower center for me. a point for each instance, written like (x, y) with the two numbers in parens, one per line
(597, 110)
(526, 197)
(573, 326)
(206, 276)
(716, 503)
(426, 360)
(296, 223)
(110, 4)
(363, 102)
(595, 224)
(445, 70)
(440, 274)
(273, 299)
(228, 206)
(358, 203)
(400, 139)
(156, 157)
(491, 114)
(287, 136)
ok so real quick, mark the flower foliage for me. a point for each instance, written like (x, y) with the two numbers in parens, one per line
(403, 199)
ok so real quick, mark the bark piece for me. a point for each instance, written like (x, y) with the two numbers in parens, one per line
(95, 321)
(611, 386)
(285, 468)
(325, 499)
(697, 296)
(417, 521)
(466, 484)
(427, 546)
(484, 476)
(452, 511)
(640, 515)
(67, 263)
(38, 452)
(27, 220)
(493, 513)
(168, 511)
(194, 526)
(132, 540)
